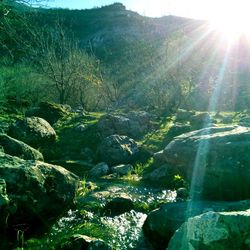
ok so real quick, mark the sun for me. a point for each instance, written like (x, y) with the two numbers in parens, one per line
(231, 19)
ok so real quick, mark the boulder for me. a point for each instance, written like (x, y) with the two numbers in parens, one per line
(117, 206)
(122, 169)
(99, 170)
(78, 167)
(200, 120)
(38, 192)
(227, 119)
(182, 194)
(161, 224)
(214, 230)
(134, 124)
(17, 148)
(245, 121)
(215, 160)
(142, 117)
(178, 129)
(161, 176)
(80, 242)
(117, 149)
(34, 131)
(51, 112)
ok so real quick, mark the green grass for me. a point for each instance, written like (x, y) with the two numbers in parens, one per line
(157, 140)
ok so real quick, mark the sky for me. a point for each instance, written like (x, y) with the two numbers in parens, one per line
(198, 9)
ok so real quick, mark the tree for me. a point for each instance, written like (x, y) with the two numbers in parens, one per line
(58, 56)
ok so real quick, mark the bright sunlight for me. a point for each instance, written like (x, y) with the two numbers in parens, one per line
(231, 19)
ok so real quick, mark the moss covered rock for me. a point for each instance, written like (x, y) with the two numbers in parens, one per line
(34, 131)
(215, 160)
(161, 224)
(38, 192)
(117, 149)
(17, 148)
(214, 230)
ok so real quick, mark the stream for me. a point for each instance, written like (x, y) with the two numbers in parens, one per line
(123, 232)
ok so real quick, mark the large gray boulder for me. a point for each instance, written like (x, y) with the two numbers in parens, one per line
(200, 120)
(17, 148)
(178, 129)
(117, 149)
(216, 161)
(134, 124)
(161, 224)
(38, 192)
(99, 170)
(34, 131)
(161, 176)
(214, 230)
(122, 169)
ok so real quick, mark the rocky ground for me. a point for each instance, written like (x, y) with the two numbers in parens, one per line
(70, 179)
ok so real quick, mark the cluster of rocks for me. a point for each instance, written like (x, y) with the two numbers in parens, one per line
(214, 160)
(102, 169)
(33, 194)
(216, 163)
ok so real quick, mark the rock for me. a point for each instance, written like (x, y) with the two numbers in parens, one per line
(178, 129)
(83, 242)
(214, 230)
(78, 167)
(34, 131)
(143, 118)
(117, 206)
(182, 193)
(162, 223)
(99, 170)
(245, 121)
(161, 176)
(215, 160)
(227, 119)
(51, 112)
(39, 194)
(122, 169)
(117, 149)
(134, 124)
(201, 120)
(17, 148)
(184, 115)
(113, 124)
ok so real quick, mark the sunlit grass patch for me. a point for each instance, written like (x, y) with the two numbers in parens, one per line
(156, 140)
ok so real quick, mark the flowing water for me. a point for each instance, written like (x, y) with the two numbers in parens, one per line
(123, 232)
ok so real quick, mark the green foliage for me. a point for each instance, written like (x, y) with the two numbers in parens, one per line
(21, 86)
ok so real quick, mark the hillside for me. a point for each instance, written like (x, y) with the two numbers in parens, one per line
(141, 61)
